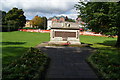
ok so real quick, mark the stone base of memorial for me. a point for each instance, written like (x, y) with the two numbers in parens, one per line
(49, 44)
(65, 35)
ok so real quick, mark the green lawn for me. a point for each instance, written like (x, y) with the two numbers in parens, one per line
(106, 58)
(14, 44)
(98, 42)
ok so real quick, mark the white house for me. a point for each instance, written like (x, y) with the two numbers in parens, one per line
(49, 24)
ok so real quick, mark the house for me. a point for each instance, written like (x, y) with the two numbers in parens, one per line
(49, 24)
(28, 24)
(58, 19)
(55, 19)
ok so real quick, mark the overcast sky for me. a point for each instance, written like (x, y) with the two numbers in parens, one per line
(46, 8)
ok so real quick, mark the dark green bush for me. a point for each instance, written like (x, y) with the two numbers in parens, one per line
(6, 28)
(29, 28)
(107, 63)
(30, 66)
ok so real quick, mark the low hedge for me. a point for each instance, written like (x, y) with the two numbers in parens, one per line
(106, 63)
(29, 28)
(30, 66)
(6, 28)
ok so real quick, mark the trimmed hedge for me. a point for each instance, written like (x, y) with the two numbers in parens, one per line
(106, 63)
(6, 28)
(30, 66)
(29, 28)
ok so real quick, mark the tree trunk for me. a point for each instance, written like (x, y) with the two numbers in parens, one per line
(118, 39)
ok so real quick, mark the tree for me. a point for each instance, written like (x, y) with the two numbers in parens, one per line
(70, 20)
(15, 17)
(39, 22)
(66, 18)
(44, 23)
(36, 21)
(2, 17)
(117, 19)
(102, 17)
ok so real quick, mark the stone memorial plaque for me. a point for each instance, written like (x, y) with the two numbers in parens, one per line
(64, 34)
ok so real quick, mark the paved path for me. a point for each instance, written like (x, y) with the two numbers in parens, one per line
(69, 63)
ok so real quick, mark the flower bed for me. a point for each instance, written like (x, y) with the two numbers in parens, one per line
(35, 30)
(66, 44)
(30, 66)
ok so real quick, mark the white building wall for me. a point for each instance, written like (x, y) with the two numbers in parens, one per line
(49, 24)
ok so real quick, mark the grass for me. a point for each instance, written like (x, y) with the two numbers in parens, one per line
(14, 44)
(106, 59)
(30, 66)
(97, 41)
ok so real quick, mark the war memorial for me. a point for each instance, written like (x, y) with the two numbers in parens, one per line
(65, 32)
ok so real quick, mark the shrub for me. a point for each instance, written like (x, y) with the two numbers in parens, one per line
(5, 28)
(29, 28)
(106, 63)
(29, 66)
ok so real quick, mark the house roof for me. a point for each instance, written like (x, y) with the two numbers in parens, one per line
(57, 17)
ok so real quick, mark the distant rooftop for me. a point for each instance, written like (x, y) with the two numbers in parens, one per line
(57, 17)
(65, 25)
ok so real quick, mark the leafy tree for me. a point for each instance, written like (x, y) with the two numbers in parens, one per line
(15, 17)
(39, 22)
(44, 23)
(36, 21)
(2, 17)
(70, 20)
(102, 17)
(2, 21)
(66, 18)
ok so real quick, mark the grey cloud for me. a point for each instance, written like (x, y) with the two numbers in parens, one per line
(32, 7)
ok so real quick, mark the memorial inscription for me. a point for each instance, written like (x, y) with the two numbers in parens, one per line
(65, 34)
